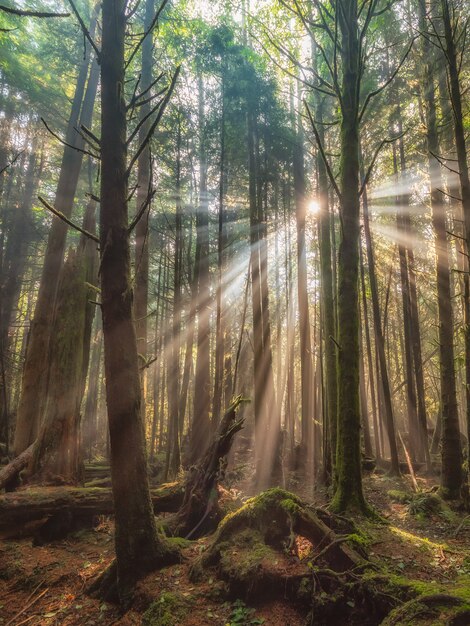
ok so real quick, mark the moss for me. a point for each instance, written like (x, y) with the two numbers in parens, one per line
(359, 540)
(430, 610)
(243, 558)
(179, 542)
(169, 610)
(402, 497)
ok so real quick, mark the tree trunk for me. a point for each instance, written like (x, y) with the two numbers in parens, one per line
(451, 55)
(35, 375)
(138, 547)
(451, 475)
(200, 427)
(380, 343)
(144, 184)
(349, 492)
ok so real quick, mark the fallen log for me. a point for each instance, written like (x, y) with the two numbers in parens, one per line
(81, 504)
(10, 471)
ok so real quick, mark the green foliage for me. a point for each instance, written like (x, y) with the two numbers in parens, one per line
(169, 610)
(241, 614)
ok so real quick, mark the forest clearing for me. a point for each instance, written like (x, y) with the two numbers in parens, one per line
(234, 312)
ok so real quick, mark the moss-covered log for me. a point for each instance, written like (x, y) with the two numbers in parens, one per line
(22, 507)
(439, 608)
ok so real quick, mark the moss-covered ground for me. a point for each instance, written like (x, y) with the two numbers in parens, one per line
(417, 570)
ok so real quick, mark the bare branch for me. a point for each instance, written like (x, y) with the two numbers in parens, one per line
(376, 92)
(142, 210)
(69, 145)
(156, 121)
(143, 120)
(374, 158)
(147, 32)
(322, 151)
(92, 136)
(12, 162)
(25, 13)
(65, 219)
(85, 30)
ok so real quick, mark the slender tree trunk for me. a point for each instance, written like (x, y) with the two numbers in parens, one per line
(175, 348)
(302, 294)
(221, 243)
(200, 428)
(380, 344)
(415, 332)
(451, 475)
(370, 364)
(144, 183)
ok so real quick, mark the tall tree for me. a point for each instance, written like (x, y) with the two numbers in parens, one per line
(138, 546)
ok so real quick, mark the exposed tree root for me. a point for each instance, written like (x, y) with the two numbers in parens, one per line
(253, 547)
(107, 586)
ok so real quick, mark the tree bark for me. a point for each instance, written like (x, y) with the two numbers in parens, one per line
(451, 475)
(35, 375)
(349, 494)
(138, 547)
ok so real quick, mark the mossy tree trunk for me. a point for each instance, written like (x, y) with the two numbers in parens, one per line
(349, 492)
(452, 36)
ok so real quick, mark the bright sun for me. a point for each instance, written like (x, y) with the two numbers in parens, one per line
(313, 207)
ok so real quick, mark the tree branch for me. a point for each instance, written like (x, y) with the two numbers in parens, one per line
(69, 145)
(25, 13)
(65, 219)
(147, 32)
(322, 151)
(156, 121)
(85, 30)
(374, 158)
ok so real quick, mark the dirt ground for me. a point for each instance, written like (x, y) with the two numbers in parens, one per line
(44, 585)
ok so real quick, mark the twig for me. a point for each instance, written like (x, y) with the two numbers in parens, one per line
(374, 158)
(27, 606)
(141, 211)
(410, 465)
(65, 219)
(147, 32)
(69, 145)
(461, 525)
(12, 162)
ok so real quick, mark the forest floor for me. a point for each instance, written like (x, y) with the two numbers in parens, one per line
(44, 585)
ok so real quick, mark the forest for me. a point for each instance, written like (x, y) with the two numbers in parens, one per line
(234, 312)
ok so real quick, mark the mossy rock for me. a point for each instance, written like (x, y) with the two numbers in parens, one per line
(430, 610)
(169, 610)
